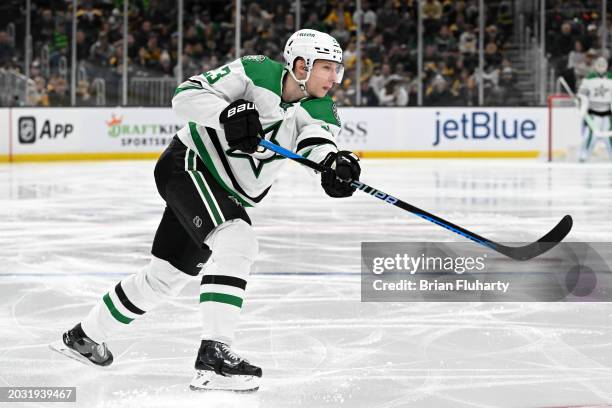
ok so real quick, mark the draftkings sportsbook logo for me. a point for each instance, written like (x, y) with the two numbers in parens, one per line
(140, 134)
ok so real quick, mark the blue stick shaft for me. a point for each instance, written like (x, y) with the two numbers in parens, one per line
(552, 238)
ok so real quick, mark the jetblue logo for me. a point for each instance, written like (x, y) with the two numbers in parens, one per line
(480, 125)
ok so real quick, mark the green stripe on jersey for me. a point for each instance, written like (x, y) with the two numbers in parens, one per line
(205, 156)
(113, 310)
(264, 72)
(185, 88)
(323, 109)
(221, 298)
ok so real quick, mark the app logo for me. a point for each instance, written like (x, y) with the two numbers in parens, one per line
(27, 129)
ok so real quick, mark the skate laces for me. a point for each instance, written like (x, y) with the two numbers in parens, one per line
(229, 352)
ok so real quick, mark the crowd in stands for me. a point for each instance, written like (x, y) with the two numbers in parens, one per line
(388, 46)
(574, 38)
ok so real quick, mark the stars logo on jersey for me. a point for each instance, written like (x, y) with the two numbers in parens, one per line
(258, 159)
(600, 91)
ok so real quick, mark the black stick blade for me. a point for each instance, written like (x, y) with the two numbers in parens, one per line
(542, 245)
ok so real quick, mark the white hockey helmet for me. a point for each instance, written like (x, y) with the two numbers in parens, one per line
(601, 65)
(312, 45)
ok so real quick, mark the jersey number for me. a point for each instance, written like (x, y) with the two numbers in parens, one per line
(214, 76)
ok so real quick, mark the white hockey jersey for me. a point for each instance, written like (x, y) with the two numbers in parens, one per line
(307, 127)
(598, 91)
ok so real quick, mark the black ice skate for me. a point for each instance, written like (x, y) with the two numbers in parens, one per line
(219, 368)
(76, 345)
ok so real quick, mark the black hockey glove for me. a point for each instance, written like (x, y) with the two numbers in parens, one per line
(240, 121)
(344, 166)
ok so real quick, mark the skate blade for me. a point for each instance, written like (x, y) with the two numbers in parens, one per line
(64, 350)
(209, 381)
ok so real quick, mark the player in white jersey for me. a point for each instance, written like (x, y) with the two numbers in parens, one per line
(595, 95)
(212, 170)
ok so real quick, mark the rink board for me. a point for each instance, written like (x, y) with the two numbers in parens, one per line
(4, 135)
(38, 134)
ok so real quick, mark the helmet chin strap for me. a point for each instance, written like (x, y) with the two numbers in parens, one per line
(301, 82)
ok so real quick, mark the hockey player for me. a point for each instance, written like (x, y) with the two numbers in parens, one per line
(595, 95)
(211, 172)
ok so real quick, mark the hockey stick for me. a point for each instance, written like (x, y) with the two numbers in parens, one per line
(522, 253)
(589, 121)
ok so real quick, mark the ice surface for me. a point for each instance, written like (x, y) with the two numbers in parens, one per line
(69, 231)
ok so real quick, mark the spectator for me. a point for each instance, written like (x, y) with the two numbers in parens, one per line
(83, 95)
(369, 16)
(464, 89)
(413, 93)
(581, 70)
(471, 12)
(492, 56)
(114, 27)
(577, 57)
(406, 30)
(58, 95)
(37, 94)
(511, 95)
(314, 22)
(505, 20)
(44, 27)
(149, 56)
(83, 45)
(439, 95)
(89, 18)
(432, 13)
(7, 50)
(340, 18)
(467, 41)
(350, 51)
(368, 95)
(388, 18)
(59, 44)
(367, 66)
(445, 42)
(166, 65)
(257, 19)
(340, 98)
(141, 37)
(101, 52)
(561, 44)
(399, 53)
(591, 38)
(380, 78)
(456, 15)
(393, 93)
(376, 48)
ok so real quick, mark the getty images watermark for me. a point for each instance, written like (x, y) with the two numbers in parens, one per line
(466, 272)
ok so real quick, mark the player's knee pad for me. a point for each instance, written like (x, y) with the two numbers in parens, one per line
(156, 281)
(234, 238)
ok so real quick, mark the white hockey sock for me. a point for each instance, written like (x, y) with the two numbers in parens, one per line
(223, 285)
(132, 298)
